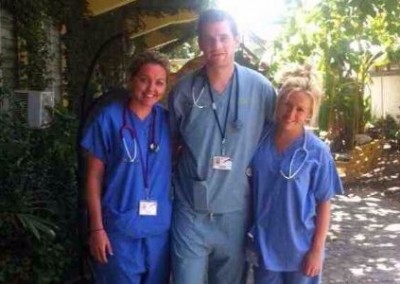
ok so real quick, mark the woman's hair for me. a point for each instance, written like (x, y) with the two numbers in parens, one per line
(301, 78)
(148, 57)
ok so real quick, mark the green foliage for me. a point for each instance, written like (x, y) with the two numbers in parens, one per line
(186, 50)
(104, 43)
(38, 197)
(343, 39)
(387, 127)
(32, 21)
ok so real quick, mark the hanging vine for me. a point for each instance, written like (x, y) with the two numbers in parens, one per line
(32, 20)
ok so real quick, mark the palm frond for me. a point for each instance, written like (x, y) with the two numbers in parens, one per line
(36, 225)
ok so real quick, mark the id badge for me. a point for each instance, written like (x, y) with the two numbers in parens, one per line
(147, 208)
(222, 163)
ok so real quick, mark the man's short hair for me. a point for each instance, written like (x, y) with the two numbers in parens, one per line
(216, 15)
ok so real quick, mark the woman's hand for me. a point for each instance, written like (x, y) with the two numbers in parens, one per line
(312, 263)
(100, 246)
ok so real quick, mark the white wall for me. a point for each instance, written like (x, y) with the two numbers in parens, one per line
(385, 93)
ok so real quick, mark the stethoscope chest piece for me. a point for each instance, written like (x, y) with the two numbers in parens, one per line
(154, 147)
(237, 124)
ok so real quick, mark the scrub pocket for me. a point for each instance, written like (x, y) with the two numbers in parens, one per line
(200, 195)
(130, 223)
(187, 235)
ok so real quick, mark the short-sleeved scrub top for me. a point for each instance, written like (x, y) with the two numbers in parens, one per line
(125, 177)
(245, 105)
(285, 208)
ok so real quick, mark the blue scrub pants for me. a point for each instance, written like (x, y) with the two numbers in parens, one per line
(135, 261)
(263, 276)
(208, 248)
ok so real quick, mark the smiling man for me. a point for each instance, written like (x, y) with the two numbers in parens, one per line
(216, 114)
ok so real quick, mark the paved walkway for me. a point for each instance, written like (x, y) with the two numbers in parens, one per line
(364, 242)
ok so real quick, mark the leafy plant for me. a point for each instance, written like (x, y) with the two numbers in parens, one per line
(38, 197)
(343, 39)
(388, 127)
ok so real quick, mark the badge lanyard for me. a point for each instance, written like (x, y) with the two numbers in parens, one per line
(145, 161)
(222, 130)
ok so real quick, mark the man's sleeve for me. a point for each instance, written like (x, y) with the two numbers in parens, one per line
(270, 101)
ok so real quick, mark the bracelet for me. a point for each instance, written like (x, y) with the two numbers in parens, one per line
(96, 230)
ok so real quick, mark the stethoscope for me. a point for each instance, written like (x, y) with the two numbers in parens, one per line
(236, 123)
(298, 152)
(153, 145)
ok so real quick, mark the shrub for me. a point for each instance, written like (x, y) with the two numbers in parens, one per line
(387, 127)
(38, 198)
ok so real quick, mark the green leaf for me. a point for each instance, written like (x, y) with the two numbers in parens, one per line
(36, 225)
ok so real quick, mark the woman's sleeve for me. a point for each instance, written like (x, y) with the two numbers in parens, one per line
(96, 139)
(326, 181)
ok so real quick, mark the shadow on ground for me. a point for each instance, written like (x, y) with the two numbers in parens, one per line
(364, 240)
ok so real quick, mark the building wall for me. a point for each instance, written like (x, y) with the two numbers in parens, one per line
(7, 50)
(385, 93)
(54, 66)
(8, 55)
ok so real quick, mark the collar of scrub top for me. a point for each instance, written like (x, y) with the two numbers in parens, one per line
(201, 73)
(303, 149)
(153, 146)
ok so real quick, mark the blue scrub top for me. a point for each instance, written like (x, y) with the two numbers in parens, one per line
(285, 209)
(197, 185)
(123, 183)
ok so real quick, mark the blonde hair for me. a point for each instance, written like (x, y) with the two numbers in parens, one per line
(301, 78)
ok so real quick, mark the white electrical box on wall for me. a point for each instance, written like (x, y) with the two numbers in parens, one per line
(35, 106)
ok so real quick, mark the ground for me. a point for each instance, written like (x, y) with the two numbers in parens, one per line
(364, 241)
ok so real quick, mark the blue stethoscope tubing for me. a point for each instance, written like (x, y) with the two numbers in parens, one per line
(236, 123)
(297, 152)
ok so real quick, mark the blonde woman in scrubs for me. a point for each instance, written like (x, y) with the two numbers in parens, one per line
(293, 177)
